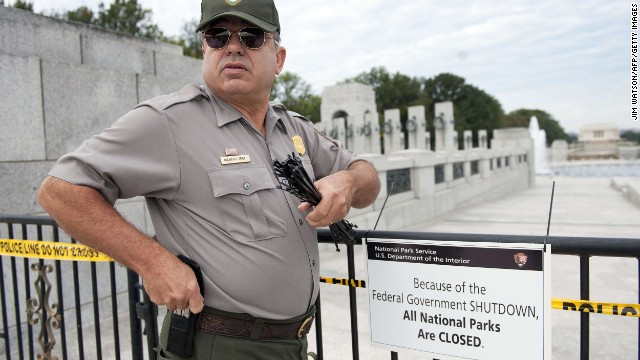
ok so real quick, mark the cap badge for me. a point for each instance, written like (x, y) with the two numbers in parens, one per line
(233, 2)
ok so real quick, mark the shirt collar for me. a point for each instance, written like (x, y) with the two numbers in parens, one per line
(226, 113)
(271, 120)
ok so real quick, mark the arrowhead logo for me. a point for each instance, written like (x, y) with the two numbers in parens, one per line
(520, 259)
(233, 2)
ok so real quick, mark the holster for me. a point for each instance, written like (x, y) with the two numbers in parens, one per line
(181, 332)
(182, 327)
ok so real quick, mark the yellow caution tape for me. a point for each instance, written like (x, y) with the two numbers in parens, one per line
(50, 250)
(345, 282)
(596, 307)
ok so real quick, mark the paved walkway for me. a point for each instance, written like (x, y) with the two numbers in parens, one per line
(582, 207)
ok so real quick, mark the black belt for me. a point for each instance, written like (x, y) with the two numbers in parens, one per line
(256, 328)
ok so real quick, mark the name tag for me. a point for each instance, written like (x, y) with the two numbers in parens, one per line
(226, 160)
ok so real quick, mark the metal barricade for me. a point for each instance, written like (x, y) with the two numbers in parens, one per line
(584, 247)
(74, 314)
(65, 309)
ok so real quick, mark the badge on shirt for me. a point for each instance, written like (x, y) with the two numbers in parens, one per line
(232, 157)
(299, 144)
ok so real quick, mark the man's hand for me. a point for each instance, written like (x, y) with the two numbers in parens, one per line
(358, 186)
(337, 193)
(172, 283)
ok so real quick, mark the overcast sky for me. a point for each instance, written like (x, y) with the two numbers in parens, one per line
(571, 58)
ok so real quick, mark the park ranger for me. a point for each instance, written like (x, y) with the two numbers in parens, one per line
(203, 159)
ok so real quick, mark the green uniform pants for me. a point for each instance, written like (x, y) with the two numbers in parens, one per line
(217, 347)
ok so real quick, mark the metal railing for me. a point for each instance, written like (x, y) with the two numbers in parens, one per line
(63, 309)
(583, 247)
(29, 319)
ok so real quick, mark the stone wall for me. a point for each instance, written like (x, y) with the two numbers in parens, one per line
(63, 82)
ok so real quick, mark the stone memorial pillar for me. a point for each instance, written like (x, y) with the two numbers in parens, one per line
(483, 139)
(417, 127)
(468, 139)
(444, 127)
(351, 105)
(361, 133)
(392, 131)
(368, 134)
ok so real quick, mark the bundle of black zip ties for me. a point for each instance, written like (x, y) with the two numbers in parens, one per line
(293, 178)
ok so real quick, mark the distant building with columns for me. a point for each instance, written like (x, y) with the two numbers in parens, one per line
(596, 141)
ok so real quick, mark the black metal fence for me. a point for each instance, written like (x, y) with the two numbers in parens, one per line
(67, 309)
(583, 247)
(50, 318)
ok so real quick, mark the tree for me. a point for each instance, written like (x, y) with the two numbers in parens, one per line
(122, 16)
(395, 91)
(444, 87)
(522, 117)
(24, 5)
(514, 119)
(631, 135)
(392, 91)
(296, 95)
(190, 41)
(82, 14)
(473, 108)
(127, 17)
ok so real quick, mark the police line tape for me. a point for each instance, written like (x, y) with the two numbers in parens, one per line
(50, 250)
(596, 307)
(556, 303)
(78, 252)
(346, 282)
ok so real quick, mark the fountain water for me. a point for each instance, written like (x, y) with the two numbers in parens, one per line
(539, 147)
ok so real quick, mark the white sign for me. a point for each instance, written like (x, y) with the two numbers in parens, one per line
(460, 300)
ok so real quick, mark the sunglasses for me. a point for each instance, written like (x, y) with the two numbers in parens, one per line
(251, 37)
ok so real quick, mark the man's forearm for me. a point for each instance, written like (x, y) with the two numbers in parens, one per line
(85, 215)
(366, 183)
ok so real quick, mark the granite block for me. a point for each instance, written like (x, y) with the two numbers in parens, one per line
(21, 116)
(80, 101)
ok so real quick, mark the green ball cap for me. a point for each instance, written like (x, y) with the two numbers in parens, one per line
(261, 13)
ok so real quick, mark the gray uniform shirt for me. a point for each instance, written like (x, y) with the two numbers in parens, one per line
(258, 254)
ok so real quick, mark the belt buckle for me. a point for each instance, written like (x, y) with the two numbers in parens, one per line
(304, 325)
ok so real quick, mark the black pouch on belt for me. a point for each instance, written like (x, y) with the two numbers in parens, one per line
(182, 326)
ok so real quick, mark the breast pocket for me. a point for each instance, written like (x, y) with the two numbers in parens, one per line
(248, 201)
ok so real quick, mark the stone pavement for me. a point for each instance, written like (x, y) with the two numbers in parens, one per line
(588, 207)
